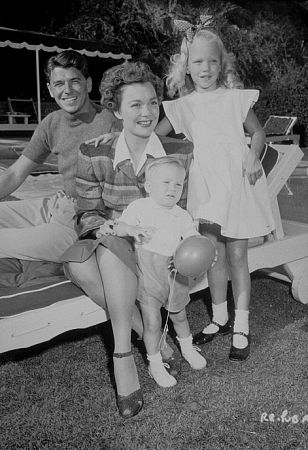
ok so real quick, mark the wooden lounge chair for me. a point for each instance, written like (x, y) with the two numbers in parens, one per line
(280, 129)
(18, 115)
(21, 108)
(38, 311)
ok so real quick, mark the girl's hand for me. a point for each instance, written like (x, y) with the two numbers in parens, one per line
(252, 167)
(103, 138)
(106, 229)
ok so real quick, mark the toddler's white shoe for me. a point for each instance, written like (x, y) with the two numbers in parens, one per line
(191, 353)
(158, 371)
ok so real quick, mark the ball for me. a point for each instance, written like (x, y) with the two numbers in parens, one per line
(194, 256)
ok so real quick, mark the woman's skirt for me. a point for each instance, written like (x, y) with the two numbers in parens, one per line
(123, 248)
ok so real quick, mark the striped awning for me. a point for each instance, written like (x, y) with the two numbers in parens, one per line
(31, 40)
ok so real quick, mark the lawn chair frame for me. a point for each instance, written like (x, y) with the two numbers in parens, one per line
(285, 133)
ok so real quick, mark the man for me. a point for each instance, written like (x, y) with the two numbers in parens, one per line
(43, 228)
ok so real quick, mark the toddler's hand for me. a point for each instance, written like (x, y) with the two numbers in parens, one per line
(142, 234)
(103, 138)
(106, 229)
(171, 264)
(252, 167)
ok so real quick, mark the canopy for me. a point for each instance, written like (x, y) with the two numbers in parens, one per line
(21, 39)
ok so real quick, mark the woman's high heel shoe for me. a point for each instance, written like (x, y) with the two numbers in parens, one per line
(129, 405)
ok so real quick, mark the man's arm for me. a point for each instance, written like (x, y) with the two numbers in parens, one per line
(15, 175)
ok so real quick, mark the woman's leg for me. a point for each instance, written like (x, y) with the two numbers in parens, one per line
(120, 286)
(88, 276)
(241, 287)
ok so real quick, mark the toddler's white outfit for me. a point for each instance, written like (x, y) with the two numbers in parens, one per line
(153, 257)
(218, 191)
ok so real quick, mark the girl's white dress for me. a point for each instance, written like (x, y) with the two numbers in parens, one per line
(218, 191)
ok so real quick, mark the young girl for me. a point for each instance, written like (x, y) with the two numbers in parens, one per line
(228, 191)
(227, 187)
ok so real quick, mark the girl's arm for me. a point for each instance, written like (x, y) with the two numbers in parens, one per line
(251, 166)
(164, 127)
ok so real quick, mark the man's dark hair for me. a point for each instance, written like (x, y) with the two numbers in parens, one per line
(67, 59)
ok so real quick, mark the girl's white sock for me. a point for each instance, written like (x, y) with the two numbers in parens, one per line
(220, 315)
(241, 324)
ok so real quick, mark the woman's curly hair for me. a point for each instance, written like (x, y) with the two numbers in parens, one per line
(115, 78)
(179, 82)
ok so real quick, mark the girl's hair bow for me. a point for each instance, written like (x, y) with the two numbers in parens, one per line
(206, 21)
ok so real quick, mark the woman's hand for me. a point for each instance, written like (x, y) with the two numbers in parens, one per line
(103, 138)
(252, 167)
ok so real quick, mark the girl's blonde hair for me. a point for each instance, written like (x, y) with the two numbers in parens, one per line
(179, 82)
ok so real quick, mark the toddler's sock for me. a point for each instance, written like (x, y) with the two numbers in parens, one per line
(191, 353)
(158, 371)
(220, 315)
(241, 323)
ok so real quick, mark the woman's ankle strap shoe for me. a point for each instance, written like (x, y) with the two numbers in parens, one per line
(240, 354)
(122, 355)
(129, 405)
(203, 338)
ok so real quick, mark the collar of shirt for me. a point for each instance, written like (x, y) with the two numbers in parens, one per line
(174, 211)
(154, 148)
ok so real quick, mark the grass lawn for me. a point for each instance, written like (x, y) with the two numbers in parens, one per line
(60, 395)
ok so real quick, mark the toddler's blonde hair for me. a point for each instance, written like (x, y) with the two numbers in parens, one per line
(156, 162)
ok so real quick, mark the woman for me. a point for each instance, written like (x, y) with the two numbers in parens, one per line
(108, 179)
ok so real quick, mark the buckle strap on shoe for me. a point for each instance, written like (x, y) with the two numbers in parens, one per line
(218, 324)
(195, 347)
(122, 355)
(241, 333)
